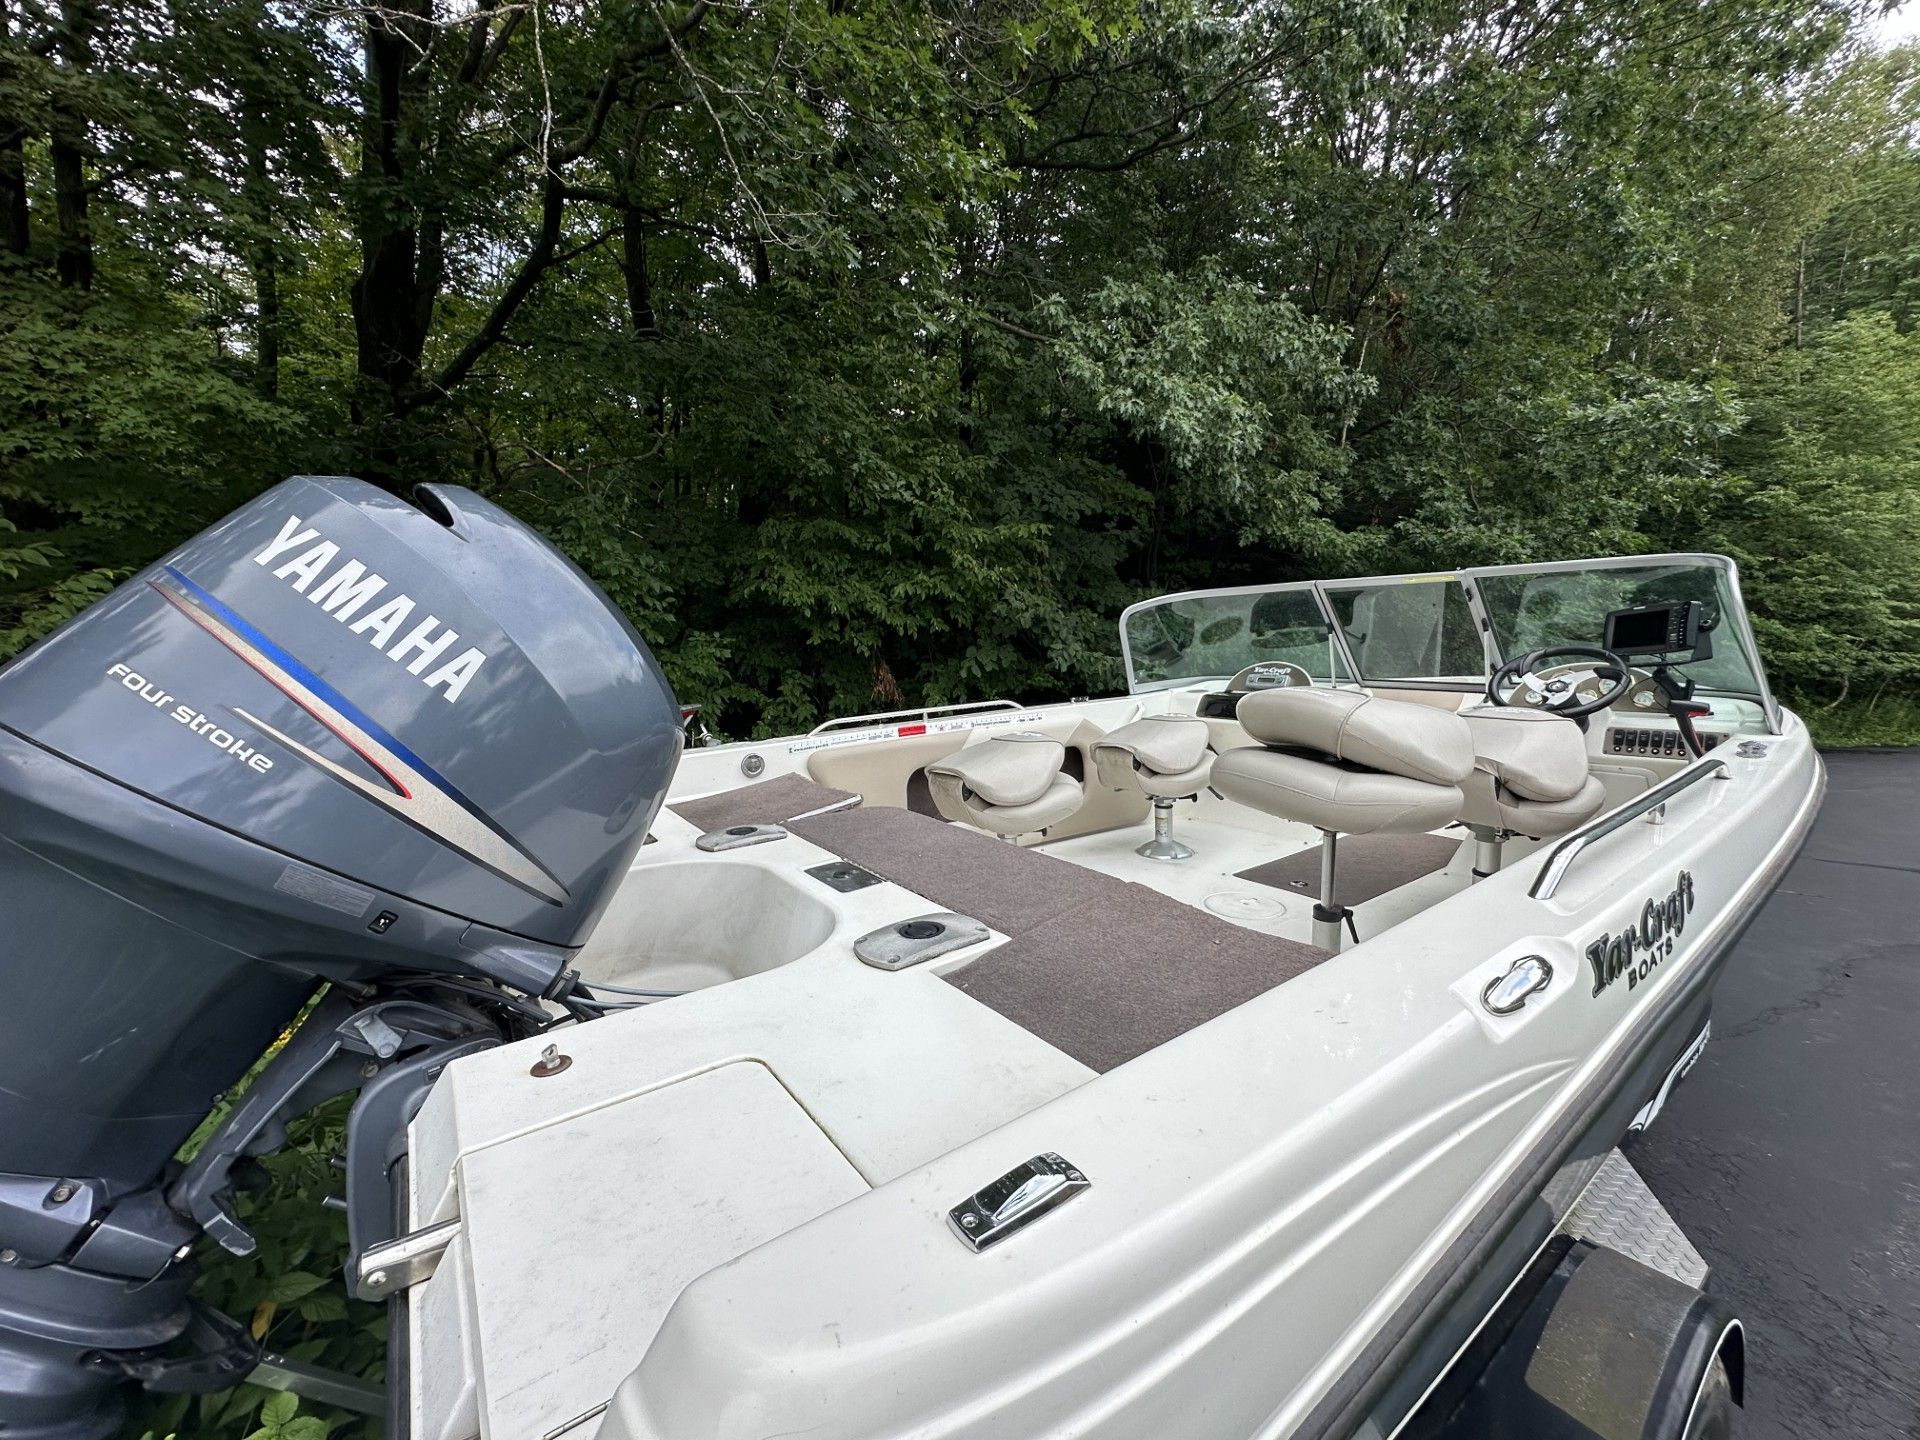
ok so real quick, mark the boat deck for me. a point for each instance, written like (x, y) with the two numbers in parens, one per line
(1397, 874)
(1224, 846)
(1108, 953)
(1165, 1025)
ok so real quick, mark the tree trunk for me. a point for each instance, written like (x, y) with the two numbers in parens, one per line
(390, 316)
(66, 148)
(967, 361)
(15, 232)
(1800, 298)
(641, 316)
(14, 229)
(266, 340)
(263, 259)
(403, 239)
(633, 269)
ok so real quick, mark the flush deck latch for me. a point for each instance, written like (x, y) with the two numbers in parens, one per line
(1016, 1200)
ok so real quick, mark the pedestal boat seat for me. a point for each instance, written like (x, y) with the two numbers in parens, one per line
(1164, 757)
(1347, 763)
(1530, 777)
(1010, 785)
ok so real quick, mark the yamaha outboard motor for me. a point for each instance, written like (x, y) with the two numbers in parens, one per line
(336, 738)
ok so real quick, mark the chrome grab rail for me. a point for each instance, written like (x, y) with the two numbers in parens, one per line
(1560, 859)
(852, 722)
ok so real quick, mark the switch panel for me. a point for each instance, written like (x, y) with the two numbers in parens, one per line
(1664, 743)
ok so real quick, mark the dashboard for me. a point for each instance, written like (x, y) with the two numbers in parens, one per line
(1662, 743)
(1264, 675)
(1643, 696)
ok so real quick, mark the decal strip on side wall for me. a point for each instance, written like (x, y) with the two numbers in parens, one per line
(418, 794)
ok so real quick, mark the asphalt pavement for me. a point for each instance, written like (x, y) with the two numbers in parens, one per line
(1791, 1153)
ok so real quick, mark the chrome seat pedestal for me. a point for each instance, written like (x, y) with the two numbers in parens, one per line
(1331, 919)
(1163, 846)
(1488, 842)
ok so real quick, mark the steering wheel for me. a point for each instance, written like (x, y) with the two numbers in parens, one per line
(1559, 694)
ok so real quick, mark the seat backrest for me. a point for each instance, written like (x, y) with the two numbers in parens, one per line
(1537, 756)
(1418, 742)
(1002, 770)
(1157, 744)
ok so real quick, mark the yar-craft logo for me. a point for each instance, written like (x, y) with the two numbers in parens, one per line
(1637, 950)
(1269, 676)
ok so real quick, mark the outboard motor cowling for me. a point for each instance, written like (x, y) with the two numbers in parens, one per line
(336, 737)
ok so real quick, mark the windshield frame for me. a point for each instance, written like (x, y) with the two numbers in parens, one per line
(1468, 578)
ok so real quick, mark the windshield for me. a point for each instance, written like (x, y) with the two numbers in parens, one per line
(1541, 606)
(1423, 629)
(1215, 634)
(1416, 627)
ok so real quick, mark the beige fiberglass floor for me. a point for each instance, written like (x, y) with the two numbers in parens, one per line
(1225, 844)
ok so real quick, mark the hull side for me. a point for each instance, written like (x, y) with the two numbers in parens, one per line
(1296, 1207)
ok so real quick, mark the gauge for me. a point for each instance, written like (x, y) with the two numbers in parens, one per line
(1646, 700)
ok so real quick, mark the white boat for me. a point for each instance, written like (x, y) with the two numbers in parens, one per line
(1244, 1055)
(1210, 1060)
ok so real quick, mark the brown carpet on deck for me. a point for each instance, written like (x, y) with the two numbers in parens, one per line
(1097, 967)
(1117, 976)
(964, 869)
(1367, 866)
(768, 802)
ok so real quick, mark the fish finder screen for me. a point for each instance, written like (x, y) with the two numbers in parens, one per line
(1654, 629)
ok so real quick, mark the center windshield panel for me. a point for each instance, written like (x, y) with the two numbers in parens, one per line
(1215, 634)
(1413, 628)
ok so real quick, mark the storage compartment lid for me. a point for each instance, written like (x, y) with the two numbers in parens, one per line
(584, 1232)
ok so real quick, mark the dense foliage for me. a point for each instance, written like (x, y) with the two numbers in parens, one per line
(879, 353)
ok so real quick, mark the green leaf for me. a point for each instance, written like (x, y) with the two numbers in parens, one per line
(279, 1408)
(294, 1285)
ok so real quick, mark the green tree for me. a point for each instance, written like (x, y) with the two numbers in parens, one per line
(1818, 506)
(1865, 253)
(871, 352)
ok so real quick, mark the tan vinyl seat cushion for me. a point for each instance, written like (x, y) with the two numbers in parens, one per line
(1005, 769)
(1370, 765)
(1164, 756)
(1535, 755)
(1332, 796)
(1490, 803)
(1415, 741)
(1009, 784)
(1530, 773)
